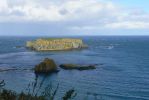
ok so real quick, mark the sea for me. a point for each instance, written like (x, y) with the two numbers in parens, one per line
(122, 71)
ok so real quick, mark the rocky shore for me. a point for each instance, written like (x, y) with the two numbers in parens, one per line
(50, 44)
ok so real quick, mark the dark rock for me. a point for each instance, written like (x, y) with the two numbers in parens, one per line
(19, 46)
(78, 67)
(47, 66)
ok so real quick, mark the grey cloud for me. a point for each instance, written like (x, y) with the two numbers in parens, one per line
(73, 13)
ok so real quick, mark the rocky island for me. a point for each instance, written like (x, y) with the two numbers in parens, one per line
(49, 44)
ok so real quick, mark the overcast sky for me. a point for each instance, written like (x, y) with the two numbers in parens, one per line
(74, 17)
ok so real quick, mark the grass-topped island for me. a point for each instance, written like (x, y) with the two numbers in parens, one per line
(50, 44)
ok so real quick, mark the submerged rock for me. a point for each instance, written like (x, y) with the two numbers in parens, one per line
(78, 67)
(46, 66)
(49, 44)
(18, 46)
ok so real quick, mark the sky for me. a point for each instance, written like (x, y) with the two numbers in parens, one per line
(74, 17)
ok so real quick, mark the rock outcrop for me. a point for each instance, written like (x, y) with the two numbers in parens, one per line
(55, 44)
(47, 66)
(78, 67)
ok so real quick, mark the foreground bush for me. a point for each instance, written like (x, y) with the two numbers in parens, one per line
(32, 94)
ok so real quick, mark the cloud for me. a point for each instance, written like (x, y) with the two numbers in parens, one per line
(128, 25)
(74, 14)
(35, 10)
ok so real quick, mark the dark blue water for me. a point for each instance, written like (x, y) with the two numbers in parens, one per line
(124, 74)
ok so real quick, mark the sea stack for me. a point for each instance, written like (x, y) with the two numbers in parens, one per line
(46, 66)
(50, 44)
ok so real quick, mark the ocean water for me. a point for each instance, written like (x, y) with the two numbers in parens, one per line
(122, 72)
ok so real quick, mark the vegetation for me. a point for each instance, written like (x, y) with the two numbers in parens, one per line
(33, 92)
(69, 95)
(55, 44)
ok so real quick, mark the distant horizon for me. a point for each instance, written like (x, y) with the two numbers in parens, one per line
(71, 35)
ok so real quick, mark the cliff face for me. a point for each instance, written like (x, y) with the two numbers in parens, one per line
(55, 44)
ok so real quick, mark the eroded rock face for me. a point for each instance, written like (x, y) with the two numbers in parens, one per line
(46, 66)
(55, 44)
(78, 67)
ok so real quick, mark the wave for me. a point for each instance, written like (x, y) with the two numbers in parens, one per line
(118, 96)
(6, 55)
(110, 47)
(19, 47)
(106, 47)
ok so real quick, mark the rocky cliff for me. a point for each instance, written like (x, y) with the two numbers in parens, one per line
(55, 44)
